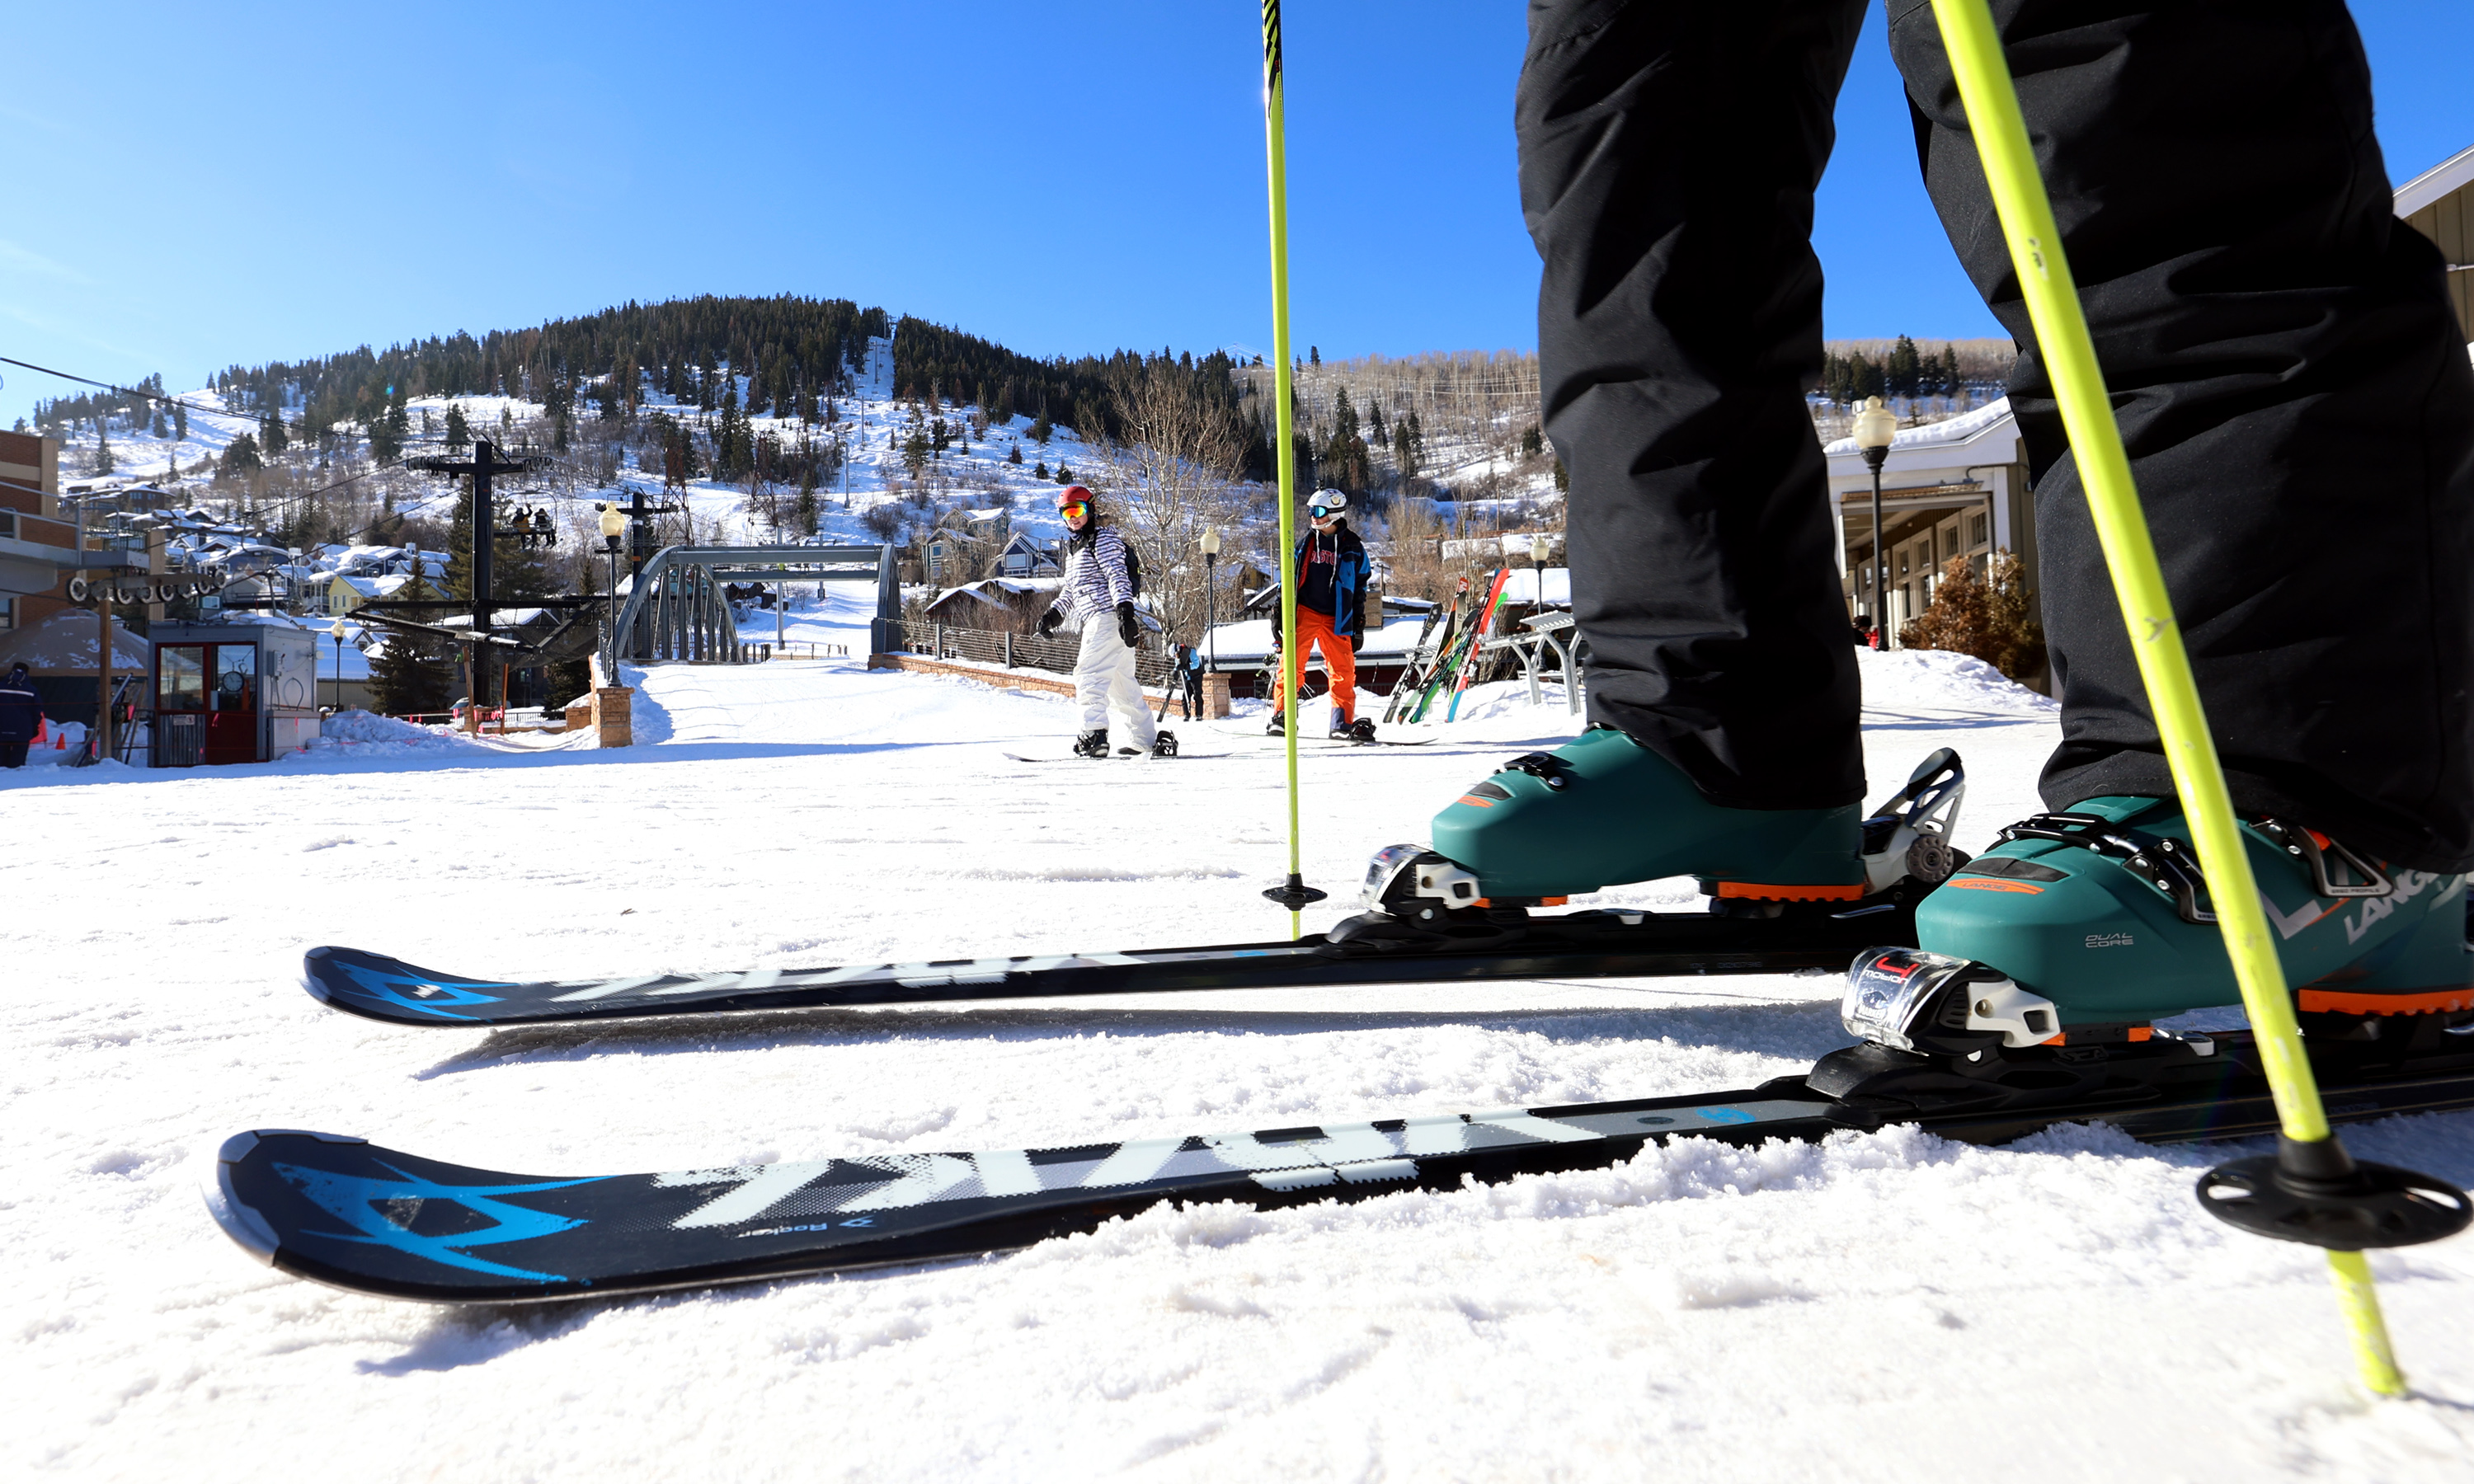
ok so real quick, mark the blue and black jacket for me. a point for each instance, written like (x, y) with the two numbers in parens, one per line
(1332, 575)
(22, 713)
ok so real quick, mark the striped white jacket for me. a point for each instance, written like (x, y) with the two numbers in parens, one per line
(1095, 577)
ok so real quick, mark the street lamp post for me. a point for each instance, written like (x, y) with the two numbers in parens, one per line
(1875, 425)
(614, 527)
(1210, 592)
(335, 630)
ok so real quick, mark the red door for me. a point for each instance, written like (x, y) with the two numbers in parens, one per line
(232, 698)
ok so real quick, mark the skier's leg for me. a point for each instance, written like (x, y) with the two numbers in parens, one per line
(1341, 660)
(2295, 396)
(1669, 156)
(1314, 632)
(1124, 693)
(1094, 668)
(2294, 392)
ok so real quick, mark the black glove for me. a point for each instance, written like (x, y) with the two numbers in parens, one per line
(1356, 643)
(1128, 628)
(1048, 622)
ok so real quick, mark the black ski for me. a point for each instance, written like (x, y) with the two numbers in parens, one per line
(1121, 757)
(1405, 938)
(1585, 944)
(360, 1217)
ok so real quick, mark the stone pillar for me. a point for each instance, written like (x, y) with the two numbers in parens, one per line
(1215, 695)
(611, 711)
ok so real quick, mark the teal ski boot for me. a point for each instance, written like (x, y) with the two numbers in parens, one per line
(1603, 810)
(2043, 963)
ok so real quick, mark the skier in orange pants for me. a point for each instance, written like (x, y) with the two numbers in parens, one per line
(1332, 570)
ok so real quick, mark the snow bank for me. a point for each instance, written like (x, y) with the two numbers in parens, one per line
(60, 742)
(365, 734)
(1942, 680)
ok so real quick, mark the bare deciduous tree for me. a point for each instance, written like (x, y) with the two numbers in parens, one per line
(1172, 478)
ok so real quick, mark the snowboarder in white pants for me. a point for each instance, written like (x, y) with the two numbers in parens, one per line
(1097, 596)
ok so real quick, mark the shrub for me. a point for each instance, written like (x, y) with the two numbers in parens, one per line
(1983, 616)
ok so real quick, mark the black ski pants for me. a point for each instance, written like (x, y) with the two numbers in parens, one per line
(2292, 385)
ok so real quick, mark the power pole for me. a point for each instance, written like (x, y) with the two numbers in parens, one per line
(484, 464)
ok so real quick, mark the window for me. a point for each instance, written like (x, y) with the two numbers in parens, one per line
(7, 612)
(181, 678)
(235, 677)
(1980, 530)
(8, 523)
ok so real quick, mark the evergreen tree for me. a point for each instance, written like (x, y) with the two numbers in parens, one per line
(1041, 429)
(459, 432)
(803, 514)
(157, 426)
(179, 422)
(410, 676)
(271, 439)
(1905, 368)
(1375, 433)
(1039, 471)
(240, 457)
(1314, 355)
(1065, 475)
(1404, 451)
(1952, 380)
(103, 464)
(1014, 456)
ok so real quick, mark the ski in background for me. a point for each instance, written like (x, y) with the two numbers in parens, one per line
(1403, 936)
(1575, 946)
(1445, 648)
(1476, 642)
(1120, 756)
(1465, 622)
(1421, 658)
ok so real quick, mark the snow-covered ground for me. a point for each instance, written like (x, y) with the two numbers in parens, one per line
(1885, 1306)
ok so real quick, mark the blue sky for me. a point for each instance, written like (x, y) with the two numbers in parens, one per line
(246, 182)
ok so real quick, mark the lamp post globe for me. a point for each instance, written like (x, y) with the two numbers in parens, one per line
(1875, 428)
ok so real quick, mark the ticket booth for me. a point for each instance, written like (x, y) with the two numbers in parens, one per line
(225, 693)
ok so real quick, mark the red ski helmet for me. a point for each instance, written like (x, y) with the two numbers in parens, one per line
(1072, 497)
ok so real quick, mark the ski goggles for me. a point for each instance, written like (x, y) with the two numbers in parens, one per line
(1321, 512)
(1075, 511)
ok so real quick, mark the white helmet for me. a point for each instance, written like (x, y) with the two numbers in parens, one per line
(1327, 502)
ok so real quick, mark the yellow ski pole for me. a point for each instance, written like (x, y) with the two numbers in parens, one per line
(1296, 894)
(2069, 353)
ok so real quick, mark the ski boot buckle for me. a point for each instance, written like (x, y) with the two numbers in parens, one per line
(2161, 861)
(1545, 767)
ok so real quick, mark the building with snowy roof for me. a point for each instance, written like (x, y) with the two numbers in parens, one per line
(1957, 488)
(342, 595)
(1960, 487)
(2439, 204)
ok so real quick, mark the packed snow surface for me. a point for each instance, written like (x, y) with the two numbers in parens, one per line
(1881, 1307)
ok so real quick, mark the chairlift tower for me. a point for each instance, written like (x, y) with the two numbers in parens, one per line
(485, 464)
